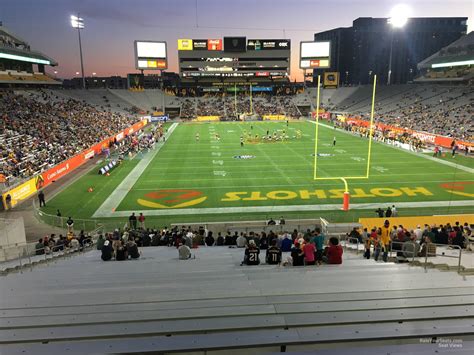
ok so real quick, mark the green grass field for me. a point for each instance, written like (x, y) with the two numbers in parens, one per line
(186, 180)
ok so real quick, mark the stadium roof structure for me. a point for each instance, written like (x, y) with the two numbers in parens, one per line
(19, 50)
(458, 53)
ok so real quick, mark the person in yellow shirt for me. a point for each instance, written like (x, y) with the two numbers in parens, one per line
(384, 242)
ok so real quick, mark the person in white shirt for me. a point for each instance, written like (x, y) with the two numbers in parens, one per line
(241, 241)
(184, 252)
(394, 211)
(418, 233)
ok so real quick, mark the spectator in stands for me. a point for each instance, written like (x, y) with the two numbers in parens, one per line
(184, 252)
(318, 241)
(241, 241)
(309, 252)
(459, 239)
(220, 239)
(39, 247)
(418, 233)
(141, 219)
(209, 239)
(383, 242)
(107, 250)
(121, 252)
(273, 255)
(334, 251)
(251, 256)
(132, 220)
(297, 255)
(132, 249)
(428, 248)
(100, 242)
(70, 225)
(286, 243)
(355, 235)
(74, 244)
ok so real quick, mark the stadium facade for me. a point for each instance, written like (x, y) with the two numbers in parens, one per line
(363, 50)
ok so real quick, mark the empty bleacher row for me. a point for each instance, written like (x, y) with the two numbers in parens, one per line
(161, 304)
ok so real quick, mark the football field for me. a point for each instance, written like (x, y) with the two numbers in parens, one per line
(203, 173)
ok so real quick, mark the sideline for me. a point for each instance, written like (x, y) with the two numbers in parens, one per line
(453, 165)
(274, 209)
(116, 197)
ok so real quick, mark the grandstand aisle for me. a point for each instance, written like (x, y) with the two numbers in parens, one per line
(158, 303)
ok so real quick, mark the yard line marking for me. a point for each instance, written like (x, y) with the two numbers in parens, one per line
(116, 197)
(421, 155)
(327, 183)
(274, 209)
(320, 183)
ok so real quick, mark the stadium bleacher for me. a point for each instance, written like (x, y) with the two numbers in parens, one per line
(163, 304)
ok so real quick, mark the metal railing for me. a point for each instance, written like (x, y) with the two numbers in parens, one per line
(24, 254)
(350, 240)
(452, 247)
(413, 251)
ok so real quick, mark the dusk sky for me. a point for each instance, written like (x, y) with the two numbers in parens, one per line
(113, 25)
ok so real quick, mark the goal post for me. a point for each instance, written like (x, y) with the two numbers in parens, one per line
(346, 198)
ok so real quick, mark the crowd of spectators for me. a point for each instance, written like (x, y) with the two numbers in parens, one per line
(441, 110)
(414, 242)
(52, 244)
(38, 134)
(289, 249)
(230, 108)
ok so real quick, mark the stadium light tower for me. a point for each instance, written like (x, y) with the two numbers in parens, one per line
(398, 18)
(78, 23)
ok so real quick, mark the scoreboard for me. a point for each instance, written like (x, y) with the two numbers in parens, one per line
(315, 55)
(150, 55)
(234, 57)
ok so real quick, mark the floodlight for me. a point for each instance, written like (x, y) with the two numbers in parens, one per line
(399, 15)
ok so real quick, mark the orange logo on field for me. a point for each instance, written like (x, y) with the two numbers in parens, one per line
(458, 188)
(172, 198)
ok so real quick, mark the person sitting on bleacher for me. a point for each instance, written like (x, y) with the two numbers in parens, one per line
(334, 251)
(184, 252)
(252, 253)
(428, 248)
(309, 252)
(297, 255)
(132, 249)
(121, 252)
(273, 256)
(107, 250)
(220, 239)
(39, 247)
(241, 241)
(286, 243)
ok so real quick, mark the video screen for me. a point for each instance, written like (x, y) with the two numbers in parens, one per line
(235, 44)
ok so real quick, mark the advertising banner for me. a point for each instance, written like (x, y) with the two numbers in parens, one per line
(425, 137)
(185, 44)
(214, 44)
(20, 193)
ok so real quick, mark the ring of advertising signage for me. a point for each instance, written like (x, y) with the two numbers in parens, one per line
(315, 55)
(151, 55)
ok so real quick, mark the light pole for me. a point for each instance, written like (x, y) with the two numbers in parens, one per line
(398, 18)
(78, 23)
